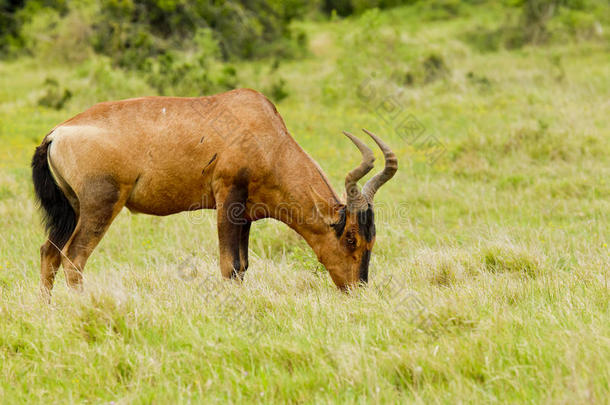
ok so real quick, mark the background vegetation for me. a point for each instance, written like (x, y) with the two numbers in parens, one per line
(490, 272)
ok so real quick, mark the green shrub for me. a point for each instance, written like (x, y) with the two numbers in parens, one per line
(278, 91)
(578, 24)
(137, 29)
(196, 73)
(543, 21)
(55, 96)
(9, 25)
(440, 9)
(427, 70)
(434, 68)
(348, 7)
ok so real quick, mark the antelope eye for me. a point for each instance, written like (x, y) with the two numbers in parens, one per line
(350, 240)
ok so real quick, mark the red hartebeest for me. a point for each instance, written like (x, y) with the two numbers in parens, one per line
(230, 151)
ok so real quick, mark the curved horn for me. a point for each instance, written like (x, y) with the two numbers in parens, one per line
(355, 200)
(391, 165)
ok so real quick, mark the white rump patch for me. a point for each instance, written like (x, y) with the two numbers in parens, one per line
(73, 130)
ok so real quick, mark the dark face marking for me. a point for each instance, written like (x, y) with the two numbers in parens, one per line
(339, 226)
(364, 266)
(366, 223)
(366, 229)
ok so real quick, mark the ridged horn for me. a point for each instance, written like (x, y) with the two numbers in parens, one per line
(355, 199)
(391, 166)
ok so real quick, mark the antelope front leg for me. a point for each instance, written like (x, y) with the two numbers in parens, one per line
(243, 248)
(232, 228)
(228, 240)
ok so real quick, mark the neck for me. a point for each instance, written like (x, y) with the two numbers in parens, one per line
(304, 200)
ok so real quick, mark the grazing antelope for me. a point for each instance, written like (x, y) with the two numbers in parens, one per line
(230, 152)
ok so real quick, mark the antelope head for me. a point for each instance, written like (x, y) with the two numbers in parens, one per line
(346, 254)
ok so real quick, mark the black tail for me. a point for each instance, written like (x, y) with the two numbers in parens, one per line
(58, 215)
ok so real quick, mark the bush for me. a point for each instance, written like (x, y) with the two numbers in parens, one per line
(348, 7)
(137, 29)
(9, 25)
(177, 46)
(434, 68)
(440, 9)
(578, 24)
(55, 96)
(541, 21)
(131, 31)
(425, 71)
(278, 91)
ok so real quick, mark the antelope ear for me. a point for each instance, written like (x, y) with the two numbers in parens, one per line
(339, 222)
(329, 211)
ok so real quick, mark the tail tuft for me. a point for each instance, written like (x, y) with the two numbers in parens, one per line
(58, 215)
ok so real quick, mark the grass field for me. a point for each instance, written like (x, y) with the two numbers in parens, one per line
(489, 279)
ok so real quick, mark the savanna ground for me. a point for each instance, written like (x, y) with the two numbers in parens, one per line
(489, 278)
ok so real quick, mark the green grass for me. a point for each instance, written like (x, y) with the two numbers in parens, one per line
(489, 276)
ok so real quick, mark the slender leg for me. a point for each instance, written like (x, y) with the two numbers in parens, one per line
(231, 221)
(229, 234)
(50, 260)
(243, 248)
(101, 201)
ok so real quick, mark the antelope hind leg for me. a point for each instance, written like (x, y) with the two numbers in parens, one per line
(50, 260)
(100, 201)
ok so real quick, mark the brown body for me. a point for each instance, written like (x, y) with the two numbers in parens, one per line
(163, 155)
